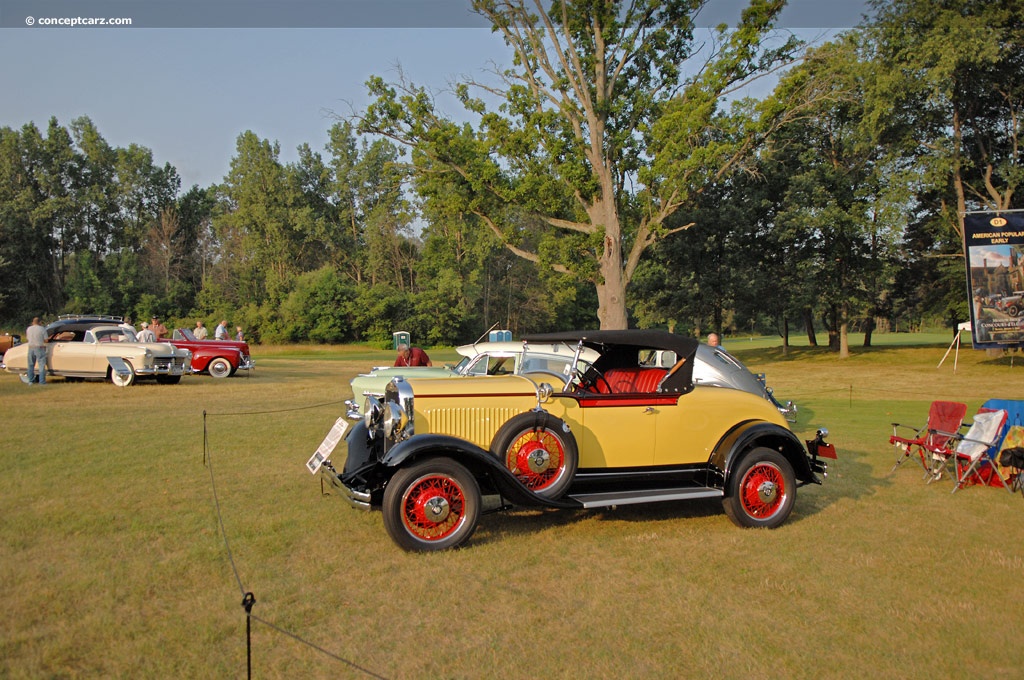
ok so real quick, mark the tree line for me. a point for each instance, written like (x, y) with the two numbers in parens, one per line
(613, 175)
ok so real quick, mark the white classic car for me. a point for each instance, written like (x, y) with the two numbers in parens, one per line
(81, 348)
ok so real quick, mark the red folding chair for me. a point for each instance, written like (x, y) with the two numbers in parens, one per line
(944, 418)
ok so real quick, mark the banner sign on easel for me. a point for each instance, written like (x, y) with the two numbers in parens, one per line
(995, 277)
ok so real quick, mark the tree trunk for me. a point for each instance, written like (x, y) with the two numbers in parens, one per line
(785, 335)
(812, 337)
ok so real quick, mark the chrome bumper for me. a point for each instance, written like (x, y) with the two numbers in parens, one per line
(360, 500)
(180, 369)
(246, 364)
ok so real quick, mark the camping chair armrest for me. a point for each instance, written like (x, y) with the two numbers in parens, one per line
(917, 431)
(951, 435)
(976, 441)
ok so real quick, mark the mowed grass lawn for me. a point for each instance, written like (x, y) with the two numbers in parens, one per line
(112, 561)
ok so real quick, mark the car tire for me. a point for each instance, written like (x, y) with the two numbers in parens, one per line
(540, 450)
(431, 505)
(219, 368)
(762, 490)
(1013, 310)
(123, 381)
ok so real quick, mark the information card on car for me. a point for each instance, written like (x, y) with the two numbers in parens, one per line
(323, 452)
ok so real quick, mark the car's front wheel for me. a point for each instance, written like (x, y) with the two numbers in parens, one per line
(219, 368)
(431, 505)
(762, 490)
(540, 451)
(123, 380)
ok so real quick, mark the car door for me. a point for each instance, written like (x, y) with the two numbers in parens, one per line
(616, 431)
(74, 357)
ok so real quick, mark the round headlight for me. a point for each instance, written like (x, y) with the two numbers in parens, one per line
(394, 420)
(371, 412)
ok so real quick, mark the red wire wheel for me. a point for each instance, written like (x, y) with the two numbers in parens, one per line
(762, 490)
(536, 459)
(431, 505)
(540, 451)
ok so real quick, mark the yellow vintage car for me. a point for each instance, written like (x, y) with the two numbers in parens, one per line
(99, 348)
(616, 432)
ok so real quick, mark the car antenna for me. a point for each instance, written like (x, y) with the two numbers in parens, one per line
(486, 332)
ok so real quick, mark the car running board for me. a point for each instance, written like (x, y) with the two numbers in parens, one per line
(603, 500)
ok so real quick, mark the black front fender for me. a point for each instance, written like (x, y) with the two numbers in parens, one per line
(757, 433)
(484, 465)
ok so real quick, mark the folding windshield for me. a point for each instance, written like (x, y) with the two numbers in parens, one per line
(487, 364)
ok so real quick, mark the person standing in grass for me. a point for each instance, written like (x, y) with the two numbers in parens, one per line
(35, 335)
(200, 331)
(222, 331)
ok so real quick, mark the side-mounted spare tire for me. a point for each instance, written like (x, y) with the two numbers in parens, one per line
(540, 450)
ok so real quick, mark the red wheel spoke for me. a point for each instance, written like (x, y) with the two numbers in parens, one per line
(433, 508)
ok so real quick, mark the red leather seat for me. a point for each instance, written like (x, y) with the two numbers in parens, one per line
(630, 380)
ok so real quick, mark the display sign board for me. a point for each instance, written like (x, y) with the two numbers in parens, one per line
(327, 446)
(995, 277)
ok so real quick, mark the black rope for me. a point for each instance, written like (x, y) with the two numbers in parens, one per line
(248, 599)
(279, 410)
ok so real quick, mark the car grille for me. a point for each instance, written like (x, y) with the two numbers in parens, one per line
(169, 362)
(477, 425)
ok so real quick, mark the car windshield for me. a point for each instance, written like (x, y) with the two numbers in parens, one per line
(547, 363)
(183, 334)
(487, 364)
(114, 335)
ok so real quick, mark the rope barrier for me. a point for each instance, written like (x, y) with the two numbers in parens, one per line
(248, 598)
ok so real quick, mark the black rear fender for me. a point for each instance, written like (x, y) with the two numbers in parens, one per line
(489, 472)
(748, 435)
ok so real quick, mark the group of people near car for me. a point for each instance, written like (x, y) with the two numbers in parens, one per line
(151, 331)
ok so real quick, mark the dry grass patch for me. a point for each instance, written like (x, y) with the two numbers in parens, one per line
(112, 563)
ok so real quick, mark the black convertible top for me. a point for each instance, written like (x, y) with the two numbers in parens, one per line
(620, 349)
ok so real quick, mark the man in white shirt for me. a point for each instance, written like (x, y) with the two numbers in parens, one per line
(222, 331)
(200, 331)
(146, 335)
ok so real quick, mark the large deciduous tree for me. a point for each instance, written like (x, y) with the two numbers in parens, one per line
(557, 170)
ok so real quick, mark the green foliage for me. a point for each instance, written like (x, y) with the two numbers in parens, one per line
(601, 181)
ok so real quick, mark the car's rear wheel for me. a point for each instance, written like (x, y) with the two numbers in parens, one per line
(1013, 310)
(540, 450)
(431, 505)
(762, 490)
(122, 380)
(219, 368)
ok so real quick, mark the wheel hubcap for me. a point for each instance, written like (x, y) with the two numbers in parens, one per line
(766, 491)
(535, 458)
(434, 509)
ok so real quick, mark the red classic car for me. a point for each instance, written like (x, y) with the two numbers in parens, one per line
(219, 358)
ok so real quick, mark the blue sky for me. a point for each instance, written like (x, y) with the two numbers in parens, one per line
(186, 93)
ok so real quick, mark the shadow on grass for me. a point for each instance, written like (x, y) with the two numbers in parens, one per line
(850, 478)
